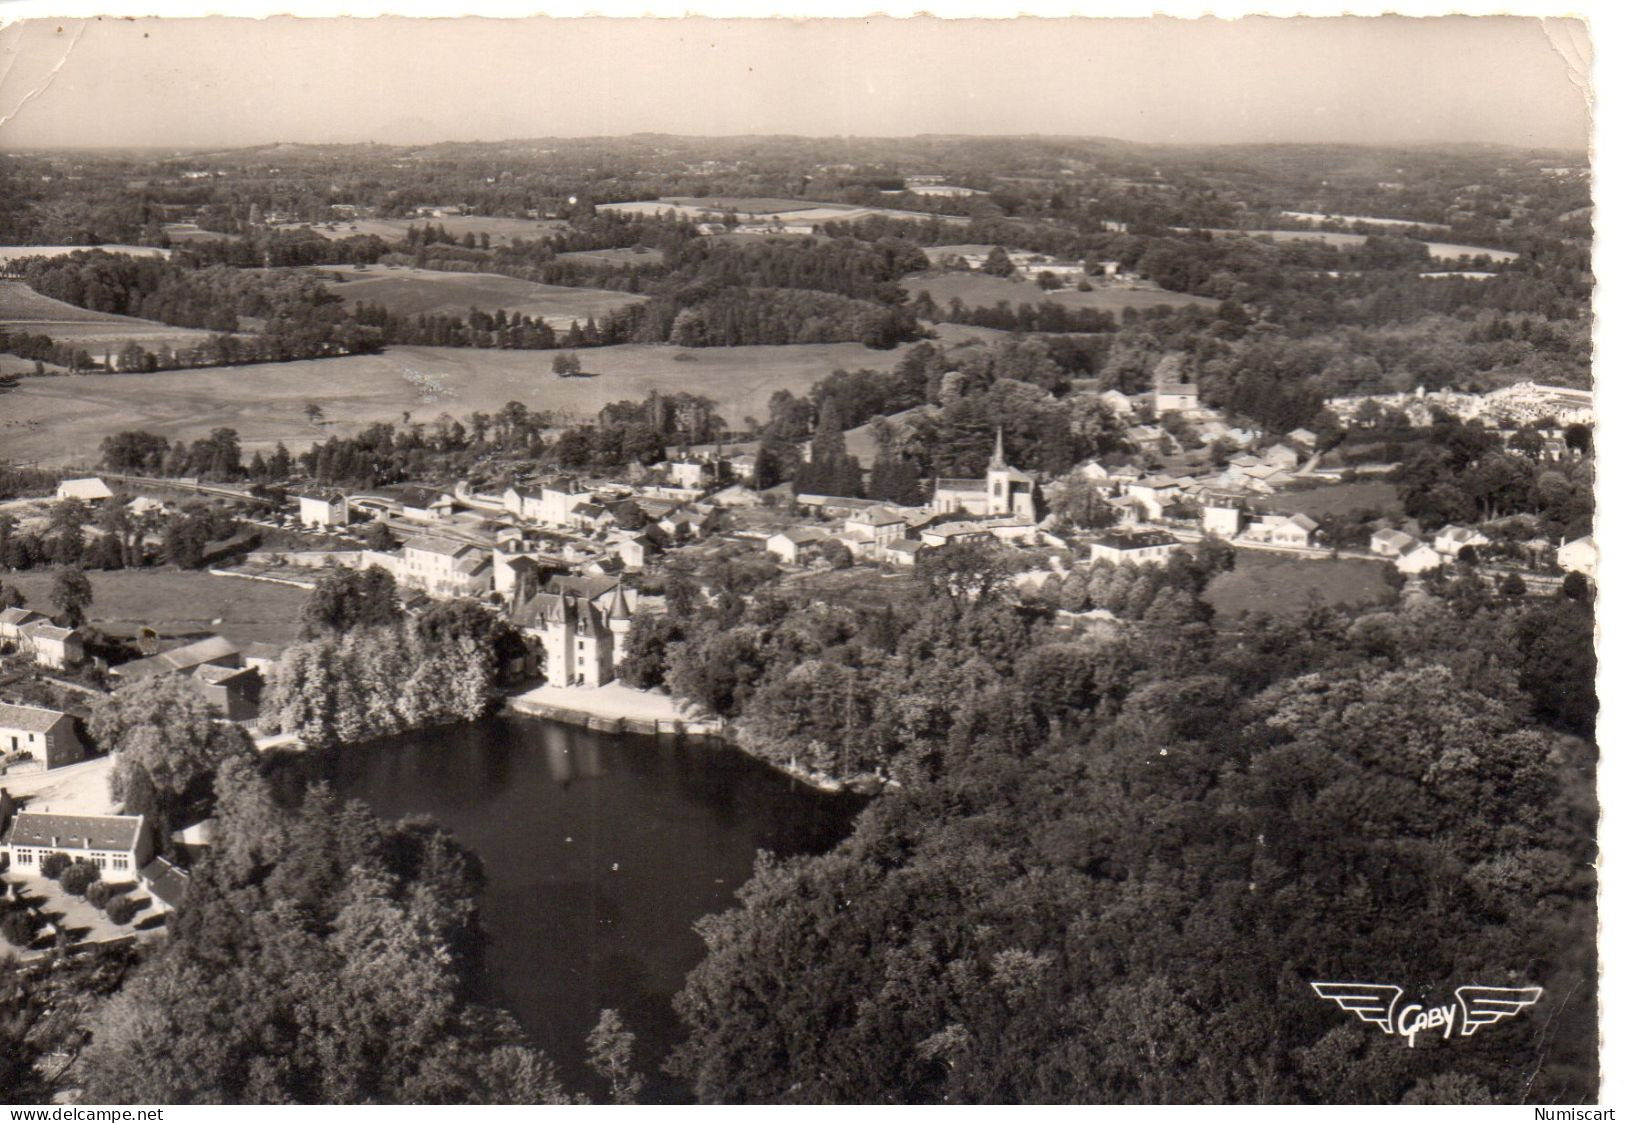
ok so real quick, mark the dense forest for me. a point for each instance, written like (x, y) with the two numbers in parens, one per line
(1401, 793)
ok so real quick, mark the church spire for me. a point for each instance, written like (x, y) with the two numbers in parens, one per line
(998, 451)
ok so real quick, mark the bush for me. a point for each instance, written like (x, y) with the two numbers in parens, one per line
(121, 910)
(54, 866)
(18, 927)
(79, 877)
(99, 893)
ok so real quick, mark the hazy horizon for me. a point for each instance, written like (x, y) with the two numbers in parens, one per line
(218, 83)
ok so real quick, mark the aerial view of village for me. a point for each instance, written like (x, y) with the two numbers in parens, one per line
(817, 614)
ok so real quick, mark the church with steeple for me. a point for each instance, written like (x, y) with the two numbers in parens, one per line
(1004, 492)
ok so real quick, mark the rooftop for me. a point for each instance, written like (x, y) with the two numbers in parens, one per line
(74, 832)
(32, 719)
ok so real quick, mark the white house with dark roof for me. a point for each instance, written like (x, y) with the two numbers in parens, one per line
(115, 844)
(323, 508)
(1390, 543)
(1283, 530)
(54, 647)
(1153, 547)
(874, 527)
(792, 546)
(14, 620)
(37, 736)
(444, 567)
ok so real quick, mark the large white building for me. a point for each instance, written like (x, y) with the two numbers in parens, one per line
(444, 567)
(576, 629)
(552, 502)
(115, 844)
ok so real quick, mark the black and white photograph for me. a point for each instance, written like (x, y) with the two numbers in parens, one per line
(890, 559)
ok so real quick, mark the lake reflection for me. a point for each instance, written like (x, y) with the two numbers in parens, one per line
(600, 851)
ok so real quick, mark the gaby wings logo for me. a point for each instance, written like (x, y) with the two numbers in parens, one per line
(1474, 1008)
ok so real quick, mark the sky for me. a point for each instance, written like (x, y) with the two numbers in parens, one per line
(219, 82)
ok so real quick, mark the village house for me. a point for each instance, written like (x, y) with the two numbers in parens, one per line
(91, 490)
(182, 659)
(1296, 530)
(1579, 556)
(1153, 495)
(323, 508)
(1452, 539)
(39, 737)
(550, 502)
(232, 692)
(951, 532)
(685, 473)
(444, 567)
(900, 552)
(1175, 397)
(1391, 543)
(737, 496)
(115, 844)
(165, 881)
(1142, 547)
(796, 545)
(1418, 558)
(1280, 456)
(874, 527)
(54, 647)
(422, 504)
(1223, 514)
(14, 620)
(1304, 438)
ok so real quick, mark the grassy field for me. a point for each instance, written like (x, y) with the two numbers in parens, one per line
(503, 231)
(1275, 583)
(633, 255)
(23, 309)
(179, 602)
(978, 290)
(1340, 499)
(413, 292)
(61, 420)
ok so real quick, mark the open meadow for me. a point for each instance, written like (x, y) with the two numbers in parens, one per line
(179, 602)
(1263, 582)
(503, 231)
(1340, 499)
(615, 258)
(413, 292)
(62, 420)
(1439, 251)
(979, 290)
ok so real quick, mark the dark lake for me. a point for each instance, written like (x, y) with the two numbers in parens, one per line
(600, 852)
